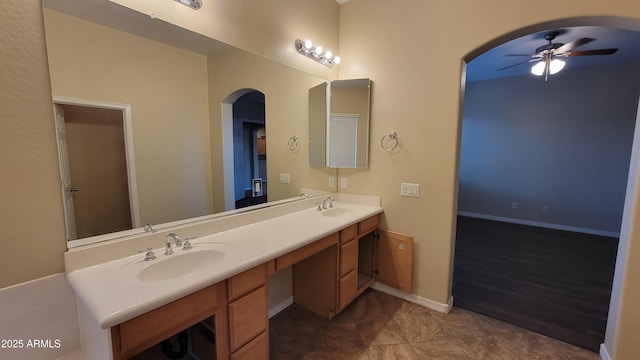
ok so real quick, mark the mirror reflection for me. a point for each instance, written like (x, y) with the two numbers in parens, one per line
(172, 97)
(339, 123)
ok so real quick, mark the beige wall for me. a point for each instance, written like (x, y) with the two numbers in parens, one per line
(166, 88)
(417, 93)
(31, 215)
(268, 28)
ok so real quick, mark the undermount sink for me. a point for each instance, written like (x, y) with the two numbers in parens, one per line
(180, 264)
(336, 212)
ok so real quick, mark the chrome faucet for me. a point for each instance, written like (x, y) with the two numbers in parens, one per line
(149, 228)
(169, 238)
(330, 199)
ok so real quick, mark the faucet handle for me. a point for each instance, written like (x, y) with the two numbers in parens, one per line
(319, 208)
(187, 243)
(150, 255)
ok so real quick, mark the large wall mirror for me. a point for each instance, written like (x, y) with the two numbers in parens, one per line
(163, 103)
(339, 113)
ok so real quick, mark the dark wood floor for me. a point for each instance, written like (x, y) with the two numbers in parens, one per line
(556, 283)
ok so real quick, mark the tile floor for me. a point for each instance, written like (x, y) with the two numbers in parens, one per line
(380, 326)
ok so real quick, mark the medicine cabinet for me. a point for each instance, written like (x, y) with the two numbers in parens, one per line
(339, 124)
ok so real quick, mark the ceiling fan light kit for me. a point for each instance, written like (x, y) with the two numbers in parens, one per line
(547, 60)
(555, 66)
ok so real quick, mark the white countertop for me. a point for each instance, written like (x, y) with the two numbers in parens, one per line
(113, 294)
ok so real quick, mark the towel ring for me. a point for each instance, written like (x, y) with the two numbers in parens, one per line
(392, 141)
(292, 144)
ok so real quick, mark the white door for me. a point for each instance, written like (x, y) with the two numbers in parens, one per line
(67, 189)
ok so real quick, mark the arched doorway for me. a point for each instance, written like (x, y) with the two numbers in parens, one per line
(514, 205)
(244, 149)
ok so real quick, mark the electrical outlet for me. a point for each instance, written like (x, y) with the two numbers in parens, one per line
(332, 182)
(545, 208)
(343, 182)
(514, 205)
(285, 178)
(410, 190)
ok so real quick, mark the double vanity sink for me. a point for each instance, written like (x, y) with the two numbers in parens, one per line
(123, 288)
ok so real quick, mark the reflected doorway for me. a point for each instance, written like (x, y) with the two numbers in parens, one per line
(94, 167)
(249, 150)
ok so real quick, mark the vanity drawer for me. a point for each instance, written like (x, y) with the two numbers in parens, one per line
(348, 288)
(304, 252)
(349, 233)
(256, 349)
(348, 256)
(368, 225)
(247, 318)
(245, 282)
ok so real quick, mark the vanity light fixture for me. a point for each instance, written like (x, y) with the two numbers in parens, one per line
(316, 53)
(194, 4)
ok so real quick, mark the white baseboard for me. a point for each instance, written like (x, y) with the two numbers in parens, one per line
(604, 354)
(433, 305)
(281, 306)
(541, 224)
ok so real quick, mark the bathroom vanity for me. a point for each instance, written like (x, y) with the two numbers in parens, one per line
(335, 254)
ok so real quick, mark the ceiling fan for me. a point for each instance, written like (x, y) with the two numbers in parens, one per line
(547, 57)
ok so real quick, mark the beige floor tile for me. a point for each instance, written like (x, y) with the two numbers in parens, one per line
(440, 350)
(419, 326)
(534, 346)
(486, 347)
(380, 326)
(381, 331)
(393, 352)
(344, 354)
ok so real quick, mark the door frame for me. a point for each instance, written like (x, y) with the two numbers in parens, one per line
(128, 145)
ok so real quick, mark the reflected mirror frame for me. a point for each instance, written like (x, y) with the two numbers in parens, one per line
(175, 34)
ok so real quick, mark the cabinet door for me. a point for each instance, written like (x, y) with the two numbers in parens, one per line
(395, 260)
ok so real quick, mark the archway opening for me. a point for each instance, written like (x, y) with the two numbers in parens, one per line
(496, 187)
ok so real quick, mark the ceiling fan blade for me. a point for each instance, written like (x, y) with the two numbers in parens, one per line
(529, 55)
(520, 63)
(572, 45)
(592, 52)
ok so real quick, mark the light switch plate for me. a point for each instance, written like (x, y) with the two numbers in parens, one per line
(285, 178)
(410, 190)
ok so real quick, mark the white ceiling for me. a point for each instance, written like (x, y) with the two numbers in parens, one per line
(485, 66)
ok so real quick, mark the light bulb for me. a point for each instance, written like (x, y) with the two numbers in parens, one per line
(538, 68)
(336, 60)
(319, 50)
(555, 66)
(308, 44)
(328, 54)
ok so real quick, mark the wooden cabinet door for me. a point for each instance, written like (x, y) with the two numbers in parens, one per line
(395, 260)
